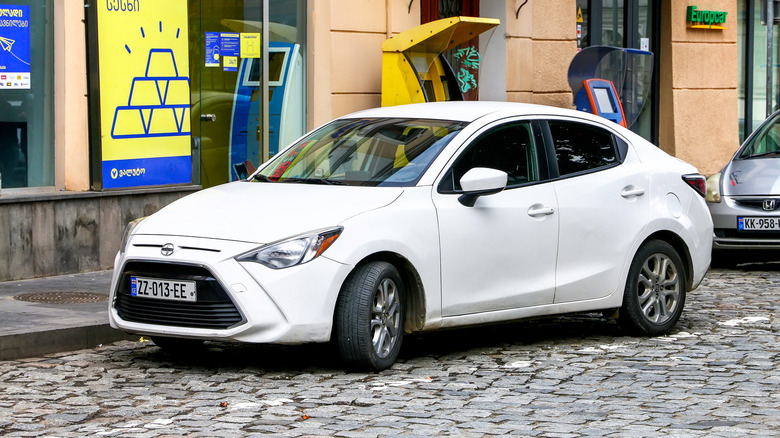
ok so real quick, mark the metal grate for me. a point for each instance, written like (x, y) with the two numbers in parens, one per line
(62, 297)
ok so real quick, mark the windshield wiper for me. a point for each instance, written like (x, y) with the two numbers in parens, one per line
(259, 177)
(764, 154)
(320, 181)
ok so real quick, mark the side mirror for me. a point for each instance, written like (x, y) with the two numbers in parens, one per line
(481, 181)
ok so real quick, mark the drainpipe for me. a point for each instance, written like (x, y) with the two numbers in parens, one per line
(388, 20)
(770, 26)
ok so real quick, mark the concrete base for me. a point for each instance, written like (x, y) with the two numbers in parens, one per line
(55, 233)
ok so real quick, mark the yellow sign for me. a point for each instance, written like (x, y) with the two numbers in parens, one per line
(250, 45)
(579, 15)
(144, 92)
(230, 62)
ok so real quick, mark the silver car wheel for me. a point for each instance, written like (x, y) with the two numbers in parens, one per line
(658, 288)
(385, 318)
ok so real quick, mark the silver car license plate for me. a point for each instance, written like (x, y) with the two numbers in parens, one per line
(173, 290)
(758, 223)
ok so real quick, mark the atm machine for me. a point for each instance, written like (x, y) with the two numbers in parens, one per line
(611, 82)
(414, 69)
(285, 107)
(599, 97)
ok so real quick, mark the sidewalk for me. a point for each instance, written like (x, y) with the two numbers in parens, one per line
(54, 314)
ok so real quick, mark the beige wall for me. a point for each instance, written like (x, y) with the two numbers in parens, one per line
(698, 100)
(345, 53)
(541, 42)
(71, 138)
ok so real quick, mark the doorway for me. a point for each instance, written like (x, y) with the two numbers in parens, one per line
(631, 24)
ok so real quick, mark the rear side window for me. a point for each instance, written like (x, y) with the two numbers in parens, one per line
(580, 147)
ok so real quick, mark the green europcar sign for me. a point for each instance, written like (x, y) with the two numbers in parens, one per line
(699, 19)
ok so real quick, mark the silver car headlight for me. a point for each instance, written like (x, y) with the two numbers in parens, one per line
(129, 232)
(713, 189)
(293, 251)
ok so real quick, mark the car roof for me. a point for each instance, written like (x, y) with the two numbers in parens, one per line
(464, 111)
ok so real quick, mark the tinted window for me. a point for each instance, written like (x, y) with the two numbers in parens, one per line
(580, 147)
(509, 148)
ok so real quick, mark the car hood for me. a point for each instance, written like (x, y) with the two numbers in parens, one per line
(264, 212)
(757, 176)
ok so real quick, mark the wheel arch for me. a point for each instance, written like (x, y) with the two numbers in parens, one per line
(682, 249)
(413, 287)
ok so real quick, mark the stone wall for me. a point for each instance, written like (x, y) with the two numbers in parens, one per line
(541, 42)
(345, 53)
(63, 233)
(699, 74)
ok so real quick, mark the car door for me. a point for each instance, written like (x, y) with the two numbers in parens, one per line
(500, 253)
(603, 200)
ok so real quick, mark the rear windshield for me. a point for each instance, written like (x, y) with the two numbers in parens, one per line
(363, 152)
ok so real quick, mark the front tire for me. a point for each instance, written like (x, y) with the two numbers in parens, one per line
(369, 320)
(655, 290)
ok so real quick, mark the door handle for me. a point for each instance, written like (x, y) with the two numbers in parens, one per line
(208, 117)
(632, 191)
(540, 211)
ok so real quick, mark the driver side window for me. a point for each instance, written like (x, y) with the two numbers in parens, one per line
(509, 148)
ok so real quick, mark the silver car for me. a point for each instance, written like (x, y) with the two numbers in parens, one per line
(744, 199)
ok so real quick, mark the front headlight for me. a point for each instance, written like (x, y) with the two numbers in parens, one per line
(129, 232)
(293, 251)
(713, 189)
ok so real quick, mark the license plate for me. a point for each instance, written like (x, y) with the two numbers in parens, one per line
(160, 289)
(759, 223)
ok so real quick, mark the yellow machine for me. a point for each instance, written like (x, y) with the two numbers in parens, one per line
(413, 68)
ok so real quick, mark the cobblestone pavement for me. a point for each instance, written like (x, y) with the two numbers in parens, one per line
(716, 375)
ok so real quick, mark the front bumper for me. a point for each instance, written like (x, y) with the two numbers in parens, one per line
(237, 301)
(727, 236)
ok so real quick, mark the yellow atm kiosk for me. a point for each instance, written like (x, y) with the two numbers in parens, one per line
(414, 69)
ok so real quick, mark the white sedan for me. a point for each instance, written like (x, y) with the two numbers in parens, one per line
(421, 217)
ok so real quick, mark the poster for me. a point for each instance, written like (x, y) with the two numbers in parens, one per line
(144, 93)
(250, 45)
(212, 49)
(230, 49)
(14, 47)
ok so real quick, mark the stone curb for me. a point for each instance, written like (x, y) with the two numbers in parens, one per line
(23, 345)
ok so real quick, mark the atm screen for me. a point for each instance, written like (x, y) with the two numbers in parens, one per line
(254, 73)
(275, 66)
(603, 100)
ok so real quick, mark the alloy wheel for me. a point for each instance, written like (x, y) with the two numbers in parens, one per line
(658, 288)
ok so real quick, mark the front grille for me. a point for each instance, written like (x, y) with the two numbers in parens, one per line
(213, 310)
(757, 203)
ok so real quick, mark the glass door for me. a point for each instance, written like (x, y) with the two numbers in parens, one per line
(227, 94)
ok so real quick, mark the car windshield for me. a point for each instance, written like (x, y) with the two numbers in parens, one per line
(766, 143)
(363, 152)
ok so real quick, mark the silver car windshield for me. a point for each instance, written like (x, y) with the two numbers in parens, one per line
(766, 143)
(363, 152)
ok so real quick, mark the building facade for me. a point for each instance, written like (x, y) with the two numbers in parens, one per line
(119, 107)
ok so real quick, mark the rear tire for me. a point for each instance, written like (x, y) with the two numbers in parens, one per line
(369, 320)
(655, 290)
